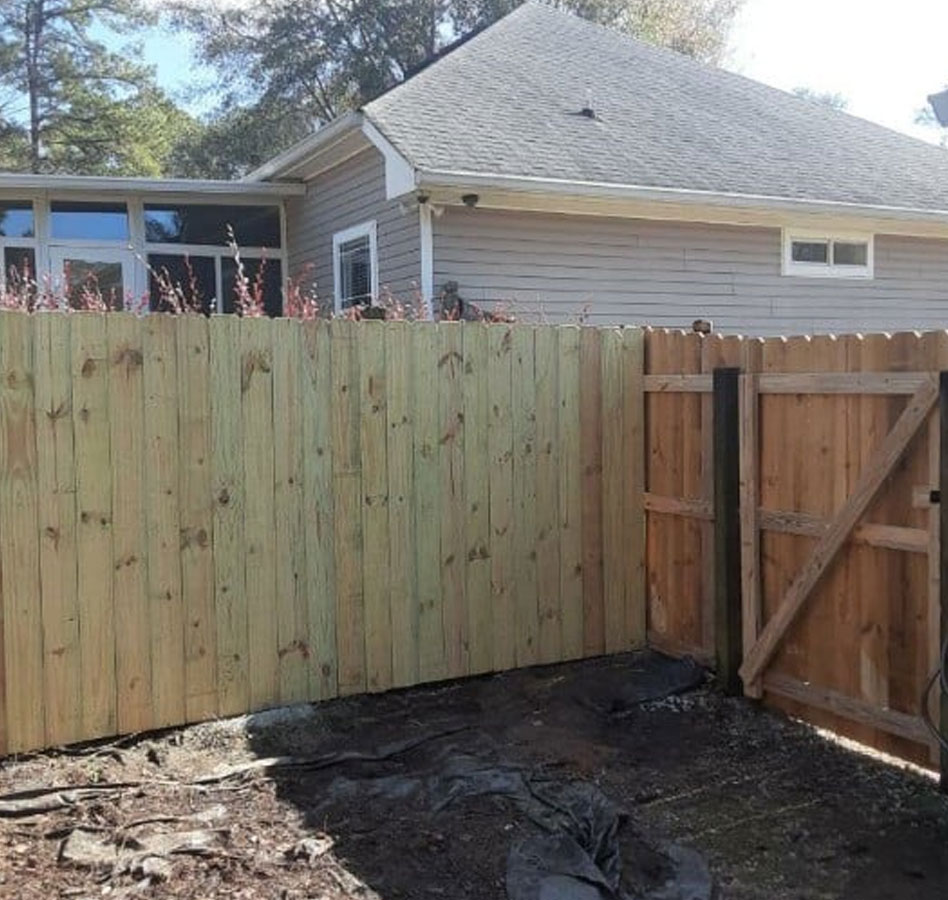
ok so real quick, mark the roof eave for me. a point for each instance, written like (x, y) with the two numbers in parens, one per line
(286, 164)
(496, 185)
(12, 181)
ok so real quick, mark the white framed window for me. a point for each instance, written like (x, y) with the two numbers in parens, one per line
(827, 254)
(17, 243)
(355, 266)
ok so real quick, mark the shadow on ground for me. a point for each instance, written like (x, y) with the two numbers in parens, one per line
(484, 789)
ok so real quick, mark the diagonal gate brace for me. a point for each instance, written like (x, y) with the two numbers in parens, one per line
(877, 470)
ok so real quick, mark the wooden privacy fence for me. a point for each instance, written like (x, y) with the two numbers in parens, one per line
(202, 517)
(836, 450)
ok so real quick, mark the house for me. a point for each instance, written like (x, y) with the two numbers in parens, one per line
(570, 171)
(549, 165)
(125, 234)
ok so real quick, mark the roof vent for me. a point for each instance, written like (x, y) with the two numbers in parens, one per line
(588, 111)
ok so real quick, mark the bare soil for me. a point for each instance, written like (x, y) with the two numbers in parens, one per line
(778, 812)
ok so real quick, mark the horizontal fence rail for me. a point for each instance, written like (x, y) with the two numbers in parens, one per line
(203, 517)
(816, 413)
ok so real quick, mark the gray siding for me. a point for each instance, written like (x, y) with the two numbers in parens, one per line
(351, 193)
(638, 271)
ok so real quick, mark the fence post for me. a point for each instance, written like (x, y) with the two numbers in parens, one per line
(943, 558)
(727, 530)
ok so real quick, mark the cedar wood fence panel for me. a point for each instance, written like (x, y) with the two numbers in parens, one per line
(204, 517)
(857, 657)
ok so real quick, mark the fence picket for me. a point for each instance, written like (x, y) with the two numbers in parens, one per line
(590, 399)
(500, 489)
(549, 637)
(195, 510)
(162, 520)
(427, 478)
(318, 517)
(256, 385)
(570, 494)
(290, 599)
(19, 549)
(133, 669)
(90, 399)
(56, 486)
(227, 494)
(451, 460)
(633, 487)
(347, 506)
(523, 405)
(401, 526)
(477, 499)
(373, 442)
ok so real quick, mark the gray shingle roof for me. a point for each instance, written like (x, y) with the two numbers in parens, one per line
(507, 102)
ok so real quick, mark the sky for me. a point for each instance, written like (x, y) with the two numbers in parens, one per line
(884, 64)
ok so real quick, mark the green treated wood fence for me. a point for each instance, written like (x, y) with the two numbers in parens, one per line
(204, 517)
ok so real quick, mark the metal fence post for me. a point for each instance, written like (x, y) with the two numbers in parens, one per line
(727, 529)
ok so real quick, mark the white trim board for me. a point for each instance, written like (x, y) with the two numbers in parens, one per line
(426, 239)
(684, 207)
(363, 229)
(190, 188)
(399, 174)
(791, 269)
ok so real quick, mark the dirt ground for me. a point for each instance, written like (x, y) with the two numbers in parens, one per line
(342, 799)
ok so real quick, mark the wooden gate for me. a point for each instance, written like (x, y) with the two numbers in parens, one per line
(797, 541)
(873, 456)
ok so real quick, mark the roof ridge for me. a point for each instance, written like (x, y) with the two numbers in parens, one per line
(697, 64)
(463, 45)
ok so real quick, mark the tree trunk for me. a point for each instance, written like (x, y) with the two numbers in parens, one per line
(33, 34)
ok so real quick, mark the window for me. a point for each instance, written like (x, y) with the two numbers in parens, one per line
(207, 224)
(264, 275)
(176, 280)
(71, 221)
(189, 257)
(18, 245)
(16, 219)
(355, 265)
(827, 256)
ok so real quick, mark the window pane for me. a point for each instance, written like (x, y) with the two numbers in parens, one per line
(91, 282)
(254, 226)
(16, 219)
(19, 265)
(269, 283)
(355, 271)
(176, 280)
(810, 251)
(850, 254)
(89, 221)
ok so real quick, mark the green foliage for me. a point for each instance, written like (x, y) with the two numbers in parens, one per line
(238, 139)
(823, 98)
(288, 65)
(71, 104)
(697, 28)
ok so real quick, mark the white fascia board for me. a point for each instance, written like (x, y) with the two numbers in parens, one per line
(104, 184)
(400, 177)
(283, 164)
(585, 196)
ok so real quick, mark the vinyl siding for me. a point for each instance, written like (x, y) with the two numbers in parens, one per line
(351, 193)
(636, 271)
